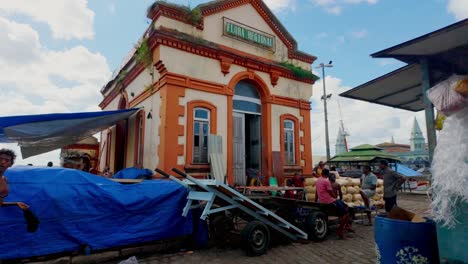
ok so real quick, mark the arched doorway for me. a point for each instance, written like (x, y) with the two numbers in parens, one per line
(120, 139)
(246, 132)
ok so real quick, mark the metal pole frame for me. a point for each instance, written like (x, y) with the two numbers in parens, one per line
(327, 138)
(428, 107)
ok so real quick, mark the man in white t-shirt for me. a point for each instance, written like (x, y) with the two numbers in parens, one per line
(368, 187)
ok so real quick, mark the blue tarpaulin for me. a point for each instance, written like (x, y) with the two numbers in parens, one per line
(133, 173)
(37, 134)
(407, 172)
(76, 208)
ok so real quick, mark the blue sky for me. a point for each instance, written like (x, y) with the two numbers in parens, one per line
(55, 57)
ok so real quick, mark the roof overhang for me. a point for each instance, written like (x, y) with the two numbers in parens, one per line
(399, 89)
(436, 42)
(445, 51)
(37, 134)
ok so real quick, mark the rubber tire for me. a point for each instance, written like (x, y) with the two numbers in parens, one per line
(255, 238)
(316, 226)
(221, 226)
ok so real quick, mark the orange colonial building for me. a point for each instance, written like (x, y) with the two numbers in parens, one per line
(227, 68)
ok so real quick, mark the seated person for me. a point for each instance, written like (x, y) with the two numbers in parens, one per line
(325, 195)
(336, 186)
(296, 181)
(368, 187)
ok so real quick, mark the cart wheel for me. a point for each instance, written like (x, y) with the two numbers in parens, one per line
(221, 226)
(316, 226)
(255, 238)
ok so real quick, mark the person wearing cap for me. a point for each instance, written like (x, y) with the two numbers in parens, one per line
(318, 170)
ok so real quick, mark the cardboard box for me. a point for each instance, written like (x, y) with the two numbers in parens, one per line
(398, 213)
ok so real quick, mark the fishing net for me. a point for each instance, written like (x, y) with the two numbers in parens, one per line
(450, 168)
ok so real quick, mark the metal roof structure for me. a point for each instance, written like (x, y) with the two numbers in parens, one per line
(446, 51)
(363, 153)
(431, 58)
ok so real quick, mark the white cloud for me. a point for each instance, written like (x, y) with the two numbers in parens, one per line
(36, 80)
(458, 8)
(67, 19)
(280, 5)
(365, 122)
(336, 10)
(386, 62)
(359, 34)
(336, 7)
(371, 2)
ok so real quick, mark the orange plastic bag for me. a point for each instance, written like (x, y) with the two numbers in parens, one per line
(462, 87)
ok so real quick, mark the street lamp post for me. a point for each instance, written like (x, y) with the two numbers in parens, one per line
(325, 97)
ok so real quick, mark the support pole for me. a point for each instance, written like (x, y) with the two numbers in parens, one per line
(428, 107)
(327, 138)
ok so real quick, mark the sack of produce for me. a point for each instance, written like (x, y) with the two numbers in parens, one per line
(344, 190)
(376, 197)
(462, 87)
(356, 182)
(310, 197)
(342, 181)
(311, 189)
(357, 197)
(379, 190)
(379, 183)
(310, 181)
(351, 190)
(348, 198)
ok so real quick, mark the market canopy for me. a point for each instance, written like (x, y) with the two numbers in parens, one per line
(445, 50)
(363, 153)
(37, 134)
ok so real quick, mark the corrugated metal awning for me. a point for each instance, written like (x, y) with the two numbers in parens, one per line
(399, 89)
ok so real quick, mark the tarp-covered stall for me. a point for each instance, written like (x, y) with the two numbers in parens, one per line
(76, 208)
(37, 134)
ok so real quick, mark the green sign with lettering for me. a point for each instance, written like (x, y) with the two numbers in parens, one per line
(249, 35)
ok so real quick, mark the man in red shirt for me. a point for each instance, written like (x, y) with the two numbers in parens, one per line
(326, 195)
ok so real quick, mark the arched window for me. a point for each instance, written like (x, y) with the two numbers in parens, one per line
(288, 144)
(201, 121)
(289, 137)
(201, 130)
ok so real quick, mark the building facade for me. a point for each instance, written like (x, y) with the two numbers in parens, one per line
(227, 68)
(416, 154)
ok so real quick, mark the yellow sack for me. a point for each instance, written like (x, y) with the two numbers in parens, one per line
(351, 190)
(379, 183)
(310, 197)
(462, 87)
(311, 189)
(357, 197)
(310, 181)
(439, 122)
(344, 190)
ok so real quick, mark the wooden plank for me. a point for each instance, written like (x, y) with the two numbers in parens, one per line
(278, 171)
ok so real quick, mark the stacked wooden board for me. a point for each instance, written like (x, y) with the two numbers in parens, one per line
(351, 191)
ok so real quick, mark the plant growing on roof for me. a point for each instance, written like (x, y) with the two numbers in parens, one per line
(299, 72)
(144, 55)
(120, 77)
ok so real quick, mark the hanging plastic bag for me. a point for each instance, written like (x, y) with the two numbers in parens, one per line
(462, 87)
(445, 98)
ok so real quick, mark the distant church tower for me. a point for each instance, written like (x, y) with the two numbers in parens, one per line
(417, 141)
(340, 146)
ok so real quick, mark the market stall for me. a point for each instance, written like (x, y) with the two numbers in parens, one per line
(436, 76)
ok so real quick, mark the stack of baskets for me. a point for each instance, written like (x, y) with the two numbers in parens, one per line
(350, 189)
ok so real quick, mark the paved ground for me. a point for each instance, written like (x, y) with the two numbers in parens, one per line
(359, 248)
